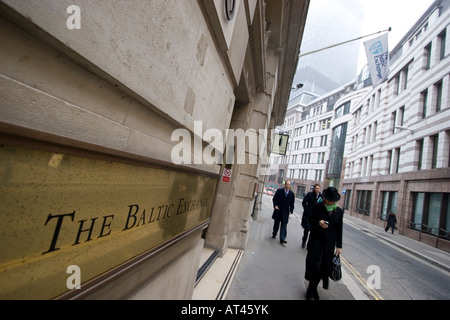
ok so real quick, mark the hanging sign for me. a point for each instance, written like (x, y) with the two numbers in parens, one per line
(280, 143)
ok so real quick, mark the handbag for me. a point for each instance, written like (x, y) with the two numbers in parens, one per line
(336, 273)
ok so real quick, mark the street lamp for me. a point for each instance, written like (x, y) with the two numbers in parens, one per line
(403, 128)
(299, 86)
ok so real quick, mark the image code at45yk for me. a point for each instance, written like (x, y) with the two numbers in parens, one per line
(229, 309)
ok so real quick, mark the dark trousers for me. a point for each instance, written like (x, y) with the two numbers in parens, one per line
(321, 274)
(283, 229)
(305, 235)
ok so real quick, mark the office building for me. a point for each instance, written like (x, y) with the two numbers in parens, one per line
(397, 154)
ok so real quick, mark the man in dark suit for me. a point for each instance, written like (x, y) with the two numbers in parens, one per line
(308, 203)
(283, 203)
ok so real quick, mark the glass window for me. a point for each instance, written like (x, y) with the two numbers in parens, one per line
(405, 81)
(435, 142)
(397, 159)
(420, 159)
(342, 110)
(389, 203)
(418, 210)
(401, 116)
(375, 127)
(424, 98)
(384, 207)
(337, 150)
(393, 204)
(339, 112)
(447, 218)
(348, 195)
(447, 143)
(393, 121)
(431, 213)
(443, 41)
(364, 202)
(434, 212)
(397, 84)
(347, 108)
(438, 88)
(428, 57)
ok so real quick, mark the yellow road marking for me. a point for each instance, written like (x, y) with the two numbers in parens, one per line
(361, 279)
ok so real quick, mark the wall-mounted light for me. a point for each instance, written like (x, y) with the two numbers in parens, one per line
(299, 86)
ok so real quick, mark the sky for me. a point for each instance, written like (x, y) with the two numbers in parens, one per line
(400, 15)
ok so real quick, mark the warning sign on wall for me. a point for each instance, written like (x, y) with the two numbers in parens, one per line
(226, 177)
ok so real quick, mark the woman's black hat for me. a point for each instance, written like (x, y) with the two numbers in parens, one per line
(331, 194)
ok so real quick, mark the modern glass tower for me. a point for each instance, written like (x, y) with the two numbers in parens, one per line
(329, 22)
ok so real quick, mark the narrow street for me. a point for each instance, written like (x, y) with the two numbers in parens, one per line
(270, 271)
(402, 275)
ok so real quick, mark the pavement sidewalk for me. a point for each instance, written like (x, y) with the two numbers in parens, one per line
(271, 271)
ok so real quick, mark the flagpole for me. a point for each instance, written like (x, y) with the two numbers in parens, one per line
(338, 44)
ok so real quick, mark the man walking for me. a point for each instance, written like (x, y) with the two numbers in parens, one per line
(308, 202)
(283, 203)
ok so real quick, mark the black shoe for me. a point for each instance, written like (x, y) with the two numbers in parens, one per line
(308, 293)
(325, 283)
(315, 295)
(283, 241)
(274, 237)
(312, 293)
(303, 245)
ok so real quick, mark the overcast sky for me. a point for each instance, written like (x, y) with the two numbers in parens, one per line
(400, 15)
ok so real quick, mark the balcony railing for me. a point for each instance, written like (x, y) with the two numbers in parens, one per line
(439, 233)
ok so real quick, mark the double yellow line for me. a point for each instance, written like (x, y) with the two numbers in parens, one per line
(361, 279)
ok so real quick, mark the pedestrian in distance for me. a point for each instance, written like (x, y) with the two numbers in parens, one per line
(283, 204)
(325, 241)
(308, 202)
(391, 222)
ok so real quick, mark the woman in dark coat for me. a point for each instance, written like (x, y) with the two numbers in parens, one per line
(391, 221)
(325, 241)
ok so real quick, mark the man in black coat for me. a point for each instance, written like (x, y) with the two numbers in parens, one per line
(283, 203)
(325, 240)
(391, 221)
(308, 202)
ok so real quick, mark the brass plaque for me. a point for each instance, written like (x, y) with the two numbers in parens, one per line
(59, 210)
